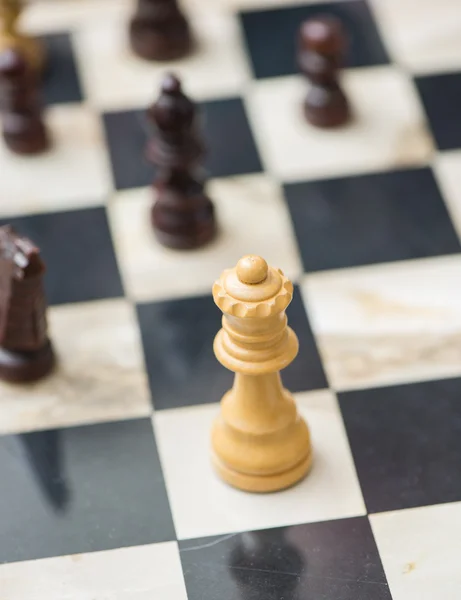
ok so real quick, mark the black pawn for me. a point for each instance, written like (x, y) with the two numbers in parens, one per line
(24, 131)
(321, 51)
(159, 30)
(182, 214)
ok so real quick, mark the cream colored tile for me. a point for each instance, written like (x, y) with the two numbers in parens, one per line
(204, 505)
(115, 78)
(423, 35)
(100, 376)
(388, 324)
(447, 169)
(73, 174)
(47, 16)
(388, 129)
(420, 549)
(253, 4)
(138, 573)
(247, 208)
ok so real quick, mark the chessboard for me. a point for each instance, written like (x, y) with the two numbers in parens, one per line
(106, 486)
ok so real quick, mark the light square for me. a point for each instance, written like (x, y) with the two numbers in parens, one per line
(261, 4)
(422, 35)
(203, 505)
(247, 208)
(420, 550)
(74, 173)
(100, 374)
(48, 16)
(388, 128)
(447, 169)
(387, 324)
(114, 78)
(137, 573)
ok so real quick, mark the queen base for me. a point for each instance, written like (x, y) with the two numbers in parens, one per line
(263, 483)
(253, 451)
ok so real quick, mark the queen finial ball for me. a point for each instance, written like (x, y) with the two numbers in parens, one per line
(252, 269)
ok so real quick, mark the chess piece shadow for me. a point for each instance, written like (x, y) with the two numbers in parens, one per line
(45, 453)
(266, 565)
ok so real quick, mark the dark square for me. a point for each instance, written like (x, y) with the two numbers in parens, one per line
(230, 143)
(329, 561)
(272, 35)
(77, 249)
(81, 489)
(61, 83)
(441, 96)
(178, 339)
(127, 133)
(406, 443)
(368, 219)
(231, 149)
(306, 371)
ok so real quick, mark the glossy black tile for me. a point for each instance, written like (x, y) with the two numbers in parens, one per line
(369, 219)
(231, 149)
(61, 83)
(77, 248)
(127, 133)
(406, 442)
(178, 339)
(306, 371)
(230, 143)
(441, 96)
(328, 561)
(271, 36)
(81, 489)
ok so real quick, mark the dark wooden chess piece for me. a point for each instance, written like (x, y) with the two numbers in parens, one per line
(24, 131)
(182, 215)
(159, 30)
(321, 50)
(26, 353)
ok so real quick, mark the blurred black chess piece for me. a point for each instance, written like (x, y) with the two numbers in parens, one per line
(159, 30)
(24, 129)
(183, 216)
(321, 50)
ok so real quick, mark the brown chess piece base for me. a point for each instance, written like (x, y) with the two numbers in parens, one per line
(326, 107)
(25, 367)
(183, 223)
(161, 44)
(25, 137)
